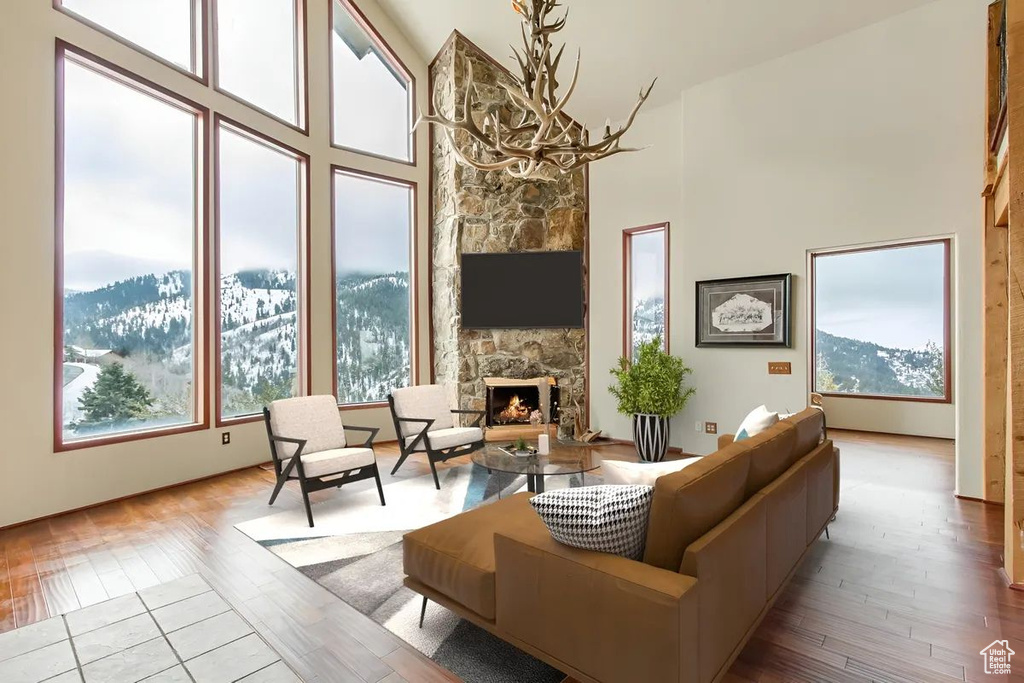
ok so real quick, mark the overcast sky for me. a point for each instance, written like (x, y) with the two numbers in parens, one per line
(373, 226)
(648, 267)
(129, 199)
(892, 297)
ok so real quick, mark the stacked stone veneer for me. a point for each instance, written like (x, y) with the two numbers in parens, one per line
(492, 212)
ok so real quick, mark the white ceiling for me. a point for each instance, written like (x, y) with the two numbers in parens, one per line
(626, 43)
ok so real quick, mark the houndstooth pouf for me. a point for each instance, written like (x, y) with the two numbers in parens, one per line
(608, 519)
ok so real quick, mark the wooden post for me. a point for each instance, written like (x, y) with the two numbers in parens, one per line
(1014, 553)
(996, 308)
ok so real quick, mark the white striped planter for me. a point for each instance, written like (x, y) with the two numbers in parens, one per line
(650, 436)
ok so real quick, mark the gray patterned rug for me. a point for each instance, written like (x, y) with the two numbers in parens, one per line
(355, 551)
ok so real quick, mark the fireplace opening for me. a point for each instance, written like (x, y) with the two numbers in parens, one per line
(511, 405)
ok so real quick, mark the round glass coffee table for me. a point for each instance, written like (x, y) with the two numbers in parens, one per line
(563, 460)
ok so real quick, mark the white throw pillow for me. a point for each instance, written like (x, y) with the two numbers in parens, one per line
(756, 422)
(606, 519)
(620, 473)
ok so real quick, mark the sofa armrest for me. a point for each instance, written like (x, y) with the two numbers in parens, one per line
(725, 439)
(613, 619)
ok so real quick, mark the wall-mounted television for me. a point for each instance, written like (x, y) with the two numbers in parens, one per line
(523, 291)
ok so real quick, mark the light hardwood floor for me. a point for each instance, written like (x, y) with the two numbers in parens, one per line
(907, 588)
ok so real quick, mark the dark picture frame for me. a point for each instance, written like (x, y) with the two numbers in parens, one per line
(745, 312)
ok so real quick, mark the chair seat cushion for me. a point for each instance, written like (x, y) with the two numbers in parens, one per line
(335, 461)
(456, 556)
(448, 438)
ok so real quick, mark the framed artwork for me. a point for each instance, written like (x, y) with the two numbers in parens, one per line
(744, 311)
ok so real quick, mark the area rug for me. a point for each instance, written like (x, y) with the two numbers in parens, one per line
(355, 551)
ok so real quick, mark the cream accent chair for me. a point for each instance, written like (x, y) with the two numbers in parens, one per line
(308, 445)
(425, 423)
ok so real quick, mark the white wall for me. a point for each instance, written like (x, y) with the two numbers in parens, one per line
(872, 136)
(34, 481)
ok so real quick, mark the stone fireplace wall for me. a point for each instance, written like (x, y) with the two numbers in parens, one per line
(491, 212)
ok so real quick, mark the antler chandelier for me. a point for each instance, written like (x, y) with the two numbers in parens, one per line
(538, 134)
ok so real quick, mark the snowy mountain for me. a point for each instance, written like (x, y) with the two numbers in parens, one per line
(853, 366)
(648, 320)
(146, 321)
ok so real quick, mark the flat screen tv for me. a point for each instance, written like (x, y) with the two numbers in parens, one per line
(522, 291)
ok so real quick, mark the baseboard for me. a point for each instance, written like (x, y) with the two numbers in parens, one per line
(1009, 583)
(832, 428)
(972, 499)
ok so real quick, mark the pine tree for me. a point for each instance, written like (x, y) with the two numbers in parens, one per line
(117, 396)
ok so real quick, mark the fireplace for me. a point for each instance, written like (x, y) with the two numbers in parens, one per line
(512, 402)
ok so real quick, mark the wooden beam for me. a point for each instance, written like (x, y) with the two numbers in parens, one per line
(1014, 553)
(996, 308)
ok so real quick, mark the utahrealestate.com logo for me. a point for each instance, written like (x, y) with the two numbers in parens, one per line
(997, 657)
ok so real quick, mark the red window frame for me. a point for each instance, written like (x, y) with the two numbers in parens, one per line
(414, 312)
(395, 63)
(303, 279)
(200, 257)
(301, 69)
(947, 322)
(627, 283)
(199, 68)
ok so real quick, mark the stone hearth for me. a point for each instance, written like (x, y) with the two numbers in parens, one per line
(491, 212)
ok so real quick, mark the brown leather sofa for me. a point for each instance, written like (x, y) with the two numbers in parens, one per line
(725, 534)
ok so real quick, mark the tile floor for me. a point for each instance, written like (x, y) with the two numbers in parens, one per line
(177, 632)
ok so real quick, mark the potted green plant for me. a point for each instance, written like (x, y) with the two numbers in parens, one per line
(650, 389)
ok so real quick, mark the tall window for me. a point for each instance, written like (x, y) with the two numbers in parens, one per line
(170, 30)
(881, 322)
(260, 57)
(371, 91)
(127, 234)
(373, 233)
(645, 282)
(261, 200)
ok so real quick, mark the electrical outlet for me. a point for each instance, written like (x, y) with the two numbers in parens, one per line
(225, 438)
(698, 427)
(710, 427)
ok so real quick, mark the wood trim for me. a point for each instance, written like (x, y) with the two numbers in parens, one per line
(303, 371)
(627, 283)
(586, 295)
(414, 251)
(972, 499)
(200, 257)
(301, 65)
(375, 405)
(947, 319)
(200, 75)
(396, 63)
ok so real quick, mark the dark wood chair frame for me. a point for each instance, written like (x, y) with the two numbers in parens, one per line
(307, 485)
(434, 455)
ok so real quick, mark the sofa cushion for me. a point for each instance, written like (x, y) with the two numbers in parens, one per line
(456, 556)
(626, 473)
(690, 503)
(313, 418)
(605, 519)
(810, 431)
(771, 454)
(335, 461)
(447, 438)
(427, 402)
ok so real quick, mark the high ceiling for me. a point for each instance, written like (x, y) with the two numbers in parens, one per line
(627, 43)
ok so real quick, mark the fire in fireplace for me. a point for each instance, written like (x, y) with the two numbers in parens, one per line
(511, 405)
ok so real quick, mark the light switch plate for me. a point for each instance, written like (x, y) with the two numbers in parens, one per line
(779, 368)
(710, 427)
